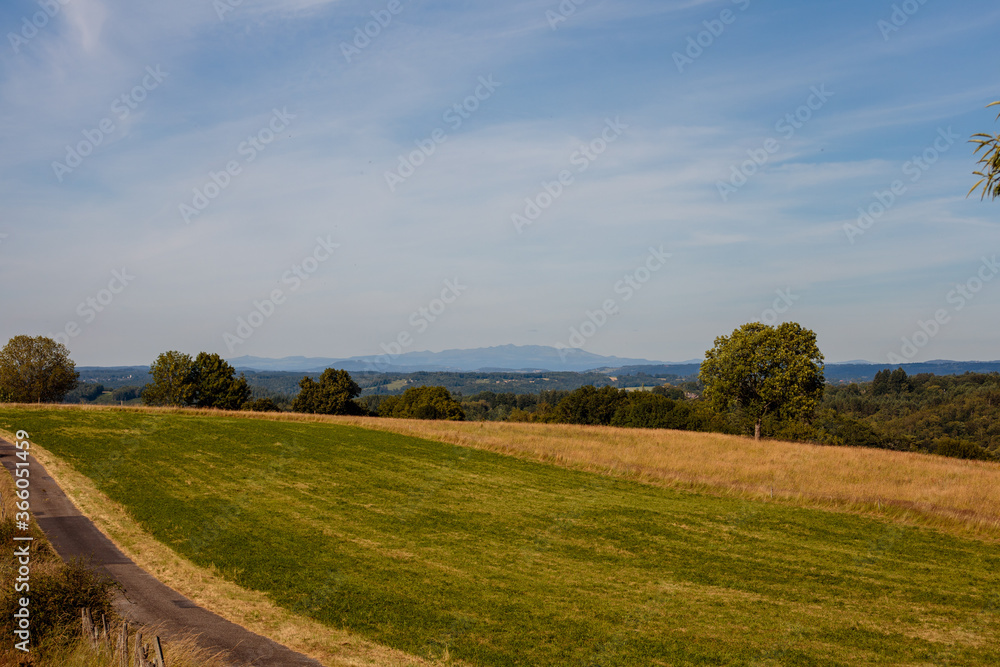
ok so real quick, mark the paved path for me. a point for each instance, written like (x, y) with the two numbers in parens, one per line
(148, 601)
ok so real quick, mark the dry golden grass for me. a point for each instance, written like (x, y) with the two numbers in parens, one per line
(952, 494)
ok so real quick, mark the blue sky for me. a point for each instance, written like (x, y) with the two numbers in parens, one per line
(632, 177)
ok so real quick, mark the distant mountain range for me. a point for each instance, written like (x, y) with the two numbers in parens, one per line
(500, 358)
(527, 358)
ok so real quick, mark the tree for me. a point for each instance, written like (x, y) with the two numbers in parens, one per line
(765, 370)
(332, 395)
(216, 384)
(891, 382)
(173, 380)
(36, 370)
(990, 161)
(422, 403)
(589, 405)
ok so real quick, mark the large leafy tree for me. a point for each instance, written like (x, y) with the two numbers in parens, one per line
(216, 384)
(173, 380)
(35, 370)
(765, 370)
(990, 160)
(333, 395)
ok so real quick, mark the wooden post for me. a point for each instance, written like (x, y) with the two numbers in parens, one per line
(159, 653)
(140, 651)
(105, 635)
(88, 627)
(123, 646)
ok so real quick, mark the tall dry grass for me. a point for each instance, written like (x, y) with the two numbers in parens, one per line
(953, 494)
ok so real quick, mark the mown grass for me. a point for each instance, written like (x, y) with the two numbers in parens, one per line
(440, 550)
(57, 639)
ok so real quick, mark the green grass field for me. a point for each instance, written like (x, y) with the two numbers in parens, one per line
(431, 548)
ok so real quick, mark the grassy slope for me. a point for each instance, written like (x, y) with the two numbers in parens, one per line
(429, 547)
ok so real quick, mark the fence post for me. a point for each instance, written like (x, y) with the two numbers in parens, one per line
(88, 627)
(159, 653)
(105, 635)
(123, 646)
(140, 651)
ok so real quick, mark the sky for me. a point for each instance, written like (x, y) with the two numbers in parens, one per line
(634, 178)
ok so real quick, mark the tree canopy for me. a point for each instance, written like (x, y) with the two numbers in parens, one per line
(173, 380)
(207, 381)
(216, 384)
(35, 370)
(334, 394)
(422, 403)
(765, 370)
(990, 160)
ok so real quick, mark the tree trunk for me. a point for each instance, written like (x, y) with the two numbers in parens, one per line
(756, 430)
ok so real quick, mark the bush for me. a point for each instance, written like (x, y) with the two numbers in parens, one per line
(422, 403)
(126, 393)
(648, 410)
(960, 449)
(261, 405)
(588, 405)
(84, 392)
(58, 591)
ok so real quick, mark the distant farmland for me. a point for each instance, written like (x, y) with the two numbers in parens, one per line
(454, 552)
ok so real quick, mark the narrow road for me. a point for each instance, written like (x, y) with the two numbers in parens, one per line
(148, 601)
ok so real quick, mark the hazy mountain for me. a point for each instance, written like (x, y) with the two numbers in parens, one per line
(502, 357)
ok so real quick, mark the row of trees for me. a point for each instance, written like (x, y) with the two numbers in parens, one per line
(760, 379)
(209, 381)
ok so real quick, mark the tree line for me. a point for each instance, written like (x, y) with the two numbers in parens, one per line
(765, 381)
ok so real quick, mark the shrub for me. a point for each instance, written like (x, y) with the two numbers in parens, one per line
(422, 403)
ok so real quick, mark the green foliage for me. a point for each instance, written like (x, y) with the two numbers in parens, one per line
(990, 161)
(84, 393)
(57, 591)
(589, 405)
(675, 393)
(261, 405)
(36, 370)
(960, 449)
(207, 381)
(126, 393)
(934, 407)
(763, 371)
(216, 384)
(332, 395)
(422, 403)
(173, 380)
(642, 409)
(891, 382)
